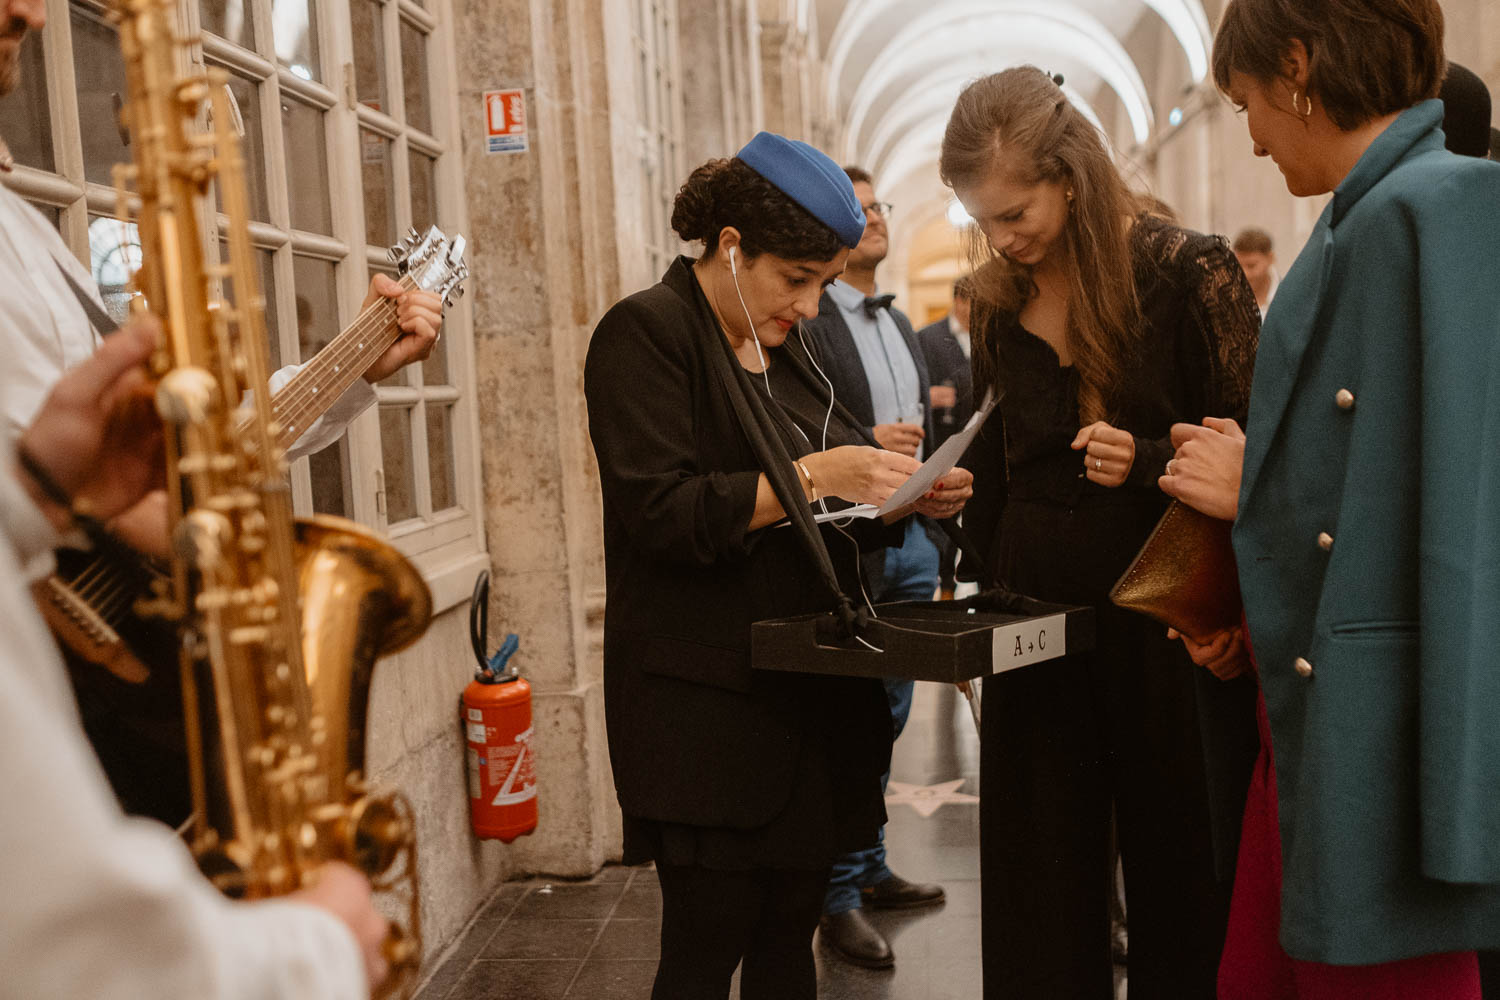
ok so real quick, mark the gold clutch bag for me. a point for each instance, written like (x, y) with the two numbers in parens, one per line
(1185, 574)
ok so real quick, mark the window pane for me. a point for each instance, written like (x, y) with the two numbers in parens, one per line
(267, 278)
(317, 304)
(24, 116)
(294, 23)
(326, 469)
(414, 78)
(369, 53)
(423, 191)
(395, 452)
(440, 455)
(51, 213)
(229, 19)
(380, 191)
(114, 257)
(252, 148)
(99, 73)
(307, 181)
(435, 365)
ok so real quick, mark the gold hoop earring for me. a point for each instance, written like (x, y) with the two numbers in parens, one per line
(1297, 98)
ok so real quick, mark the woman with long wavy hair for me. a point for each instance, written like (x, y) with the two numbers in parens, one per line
(1099, 323)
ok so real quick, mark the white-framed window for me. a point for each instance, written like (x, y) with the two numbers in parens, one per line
(658, 89)
(350, 137)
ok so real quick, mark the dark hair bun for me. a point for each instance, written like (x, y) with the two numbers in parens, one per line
(696, 211)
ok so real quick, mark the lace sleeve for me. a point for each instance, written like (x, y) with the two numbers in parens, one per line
(1224, 310)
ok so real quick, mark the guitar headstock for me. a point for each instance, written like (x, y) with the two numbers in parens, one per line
(434, 262)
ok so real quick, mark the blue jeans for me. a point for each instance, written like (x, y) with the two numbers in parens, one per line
(911, 574)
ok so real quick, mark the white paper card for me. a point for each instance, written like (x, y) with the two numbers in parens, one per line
(1030, 641)
(924, 479)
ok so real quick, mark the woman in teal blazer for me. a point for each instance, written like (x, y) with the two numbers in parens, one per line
(1368, 531)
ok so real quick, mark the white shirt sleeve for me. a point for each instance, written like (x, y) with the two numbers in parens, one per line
(95, 906)
(330, 426)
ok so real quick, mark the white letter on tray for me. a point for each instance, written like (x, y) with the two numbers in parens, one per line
(1030, 641)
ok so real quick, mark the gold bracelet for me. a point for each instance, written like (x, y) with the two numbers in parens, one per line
(811, 486)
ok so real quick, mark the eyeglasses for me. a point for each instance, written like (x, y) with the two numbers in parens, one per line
(880, 208)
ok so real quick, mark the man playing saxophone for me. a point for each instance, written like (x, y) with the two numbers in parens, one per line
(93, 904)
(51, 319)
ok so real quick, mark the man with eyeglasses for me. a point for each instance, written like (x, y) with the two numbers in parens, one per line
(872, 357)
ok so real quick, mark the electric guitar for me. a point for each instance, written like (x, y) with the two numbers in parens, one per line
(89, 601)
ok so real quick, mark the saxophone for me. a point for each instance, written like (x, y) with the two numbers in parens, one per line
(280, 621)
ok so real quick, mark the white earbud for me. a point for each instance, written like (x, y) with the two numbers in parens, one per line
(733, 268)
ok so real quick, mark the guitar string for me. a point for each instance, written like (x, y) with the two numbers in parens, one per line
(305, 386)
(298, 401)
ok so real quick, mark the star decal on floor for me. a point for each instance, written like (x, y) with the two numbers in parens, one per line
(927, 799)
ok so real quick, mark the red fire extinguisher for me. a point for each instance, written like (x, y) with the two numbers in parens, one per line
(496, 714)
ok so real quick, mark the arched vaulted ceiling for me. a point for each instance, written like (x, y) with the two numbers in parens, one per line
(895, 67)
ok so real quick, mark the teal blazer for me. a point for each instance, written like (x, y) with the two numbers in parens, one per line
(1368, 546)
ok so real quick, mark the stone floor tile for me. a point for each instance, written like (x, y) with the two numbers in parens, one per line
(502, 903)
(527, 979)
(564, 901)
(640, 902)
(635, 939)
(614, 979)
(452, 969)
(543, 939)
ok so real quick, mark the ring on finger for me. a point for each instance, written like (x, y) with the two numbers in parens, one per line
(1098, 464)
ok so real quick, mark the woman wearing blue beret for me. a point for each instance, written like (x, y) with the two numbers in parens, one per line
(710, 422)
(1368, 529)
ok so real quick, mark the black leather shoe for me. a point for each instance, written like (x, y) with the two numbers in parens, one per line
(895, 893)
(855, 939)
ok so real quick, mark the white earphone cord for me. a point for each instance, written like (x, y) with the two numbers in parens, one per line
(734, 273)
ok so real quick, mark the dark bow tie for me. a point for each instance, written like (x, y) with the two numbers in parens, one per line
(874, 303)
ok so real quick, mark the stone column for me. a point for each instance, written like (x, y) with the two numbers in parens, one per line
(543, 262)
(773, 57)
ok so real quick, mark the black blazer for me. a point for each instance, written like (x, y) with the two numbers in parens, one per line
(695, 734)
(839, 359)
(946, 361)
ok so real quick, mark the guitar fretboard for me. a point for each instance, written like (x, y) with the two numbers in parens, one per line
(309, 393)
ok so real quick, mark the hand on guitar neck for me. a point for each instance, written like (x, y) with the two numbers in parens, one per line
(419, 316)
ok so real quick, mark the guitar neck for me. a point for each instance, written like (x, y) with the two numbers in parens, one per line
(312, 391)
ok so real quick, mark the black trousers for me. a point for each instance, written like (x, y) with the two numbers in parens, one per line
(713, 921)
(1063, 742)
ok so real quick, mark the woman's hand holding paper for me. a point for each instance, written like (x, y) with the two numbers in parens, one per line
(859, 473)
(948, 497)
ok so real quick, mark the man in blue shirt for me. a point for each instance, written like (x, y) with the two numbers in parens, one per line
(871, 355)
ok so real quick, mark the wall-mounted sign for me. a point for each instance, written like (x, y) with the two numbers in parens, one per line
(505, 121)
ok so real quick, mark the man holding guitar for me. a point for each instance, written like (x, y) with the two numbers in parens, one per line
(51, 320)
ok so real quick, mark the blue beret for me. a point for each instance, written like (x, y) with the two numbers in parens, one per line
(808, 177)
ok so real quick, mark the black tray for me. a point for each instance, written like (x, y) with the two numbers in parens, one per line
(946, 641)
